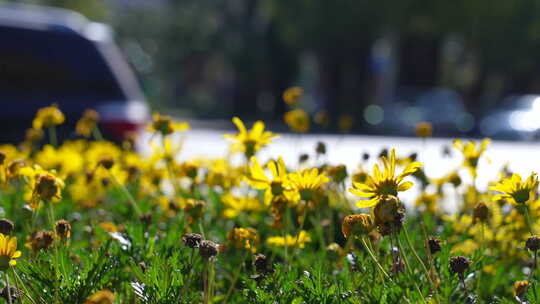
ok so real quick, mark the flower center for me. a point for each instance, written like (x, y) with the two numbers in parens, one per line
(521, 196)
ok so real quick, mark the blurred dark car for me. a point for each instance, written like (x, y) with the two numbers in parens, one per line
(443, 108)
(50, 55)
(517, 118)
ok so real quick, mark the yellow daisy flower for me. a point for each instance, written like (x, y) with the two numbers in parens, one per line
(471, 155)
(249, 142)
(48, 117)
(516, 191)
(258, 179)
(380, 184)
(292, 95)
(306, 182)
(297, 120)
(299, 240)
(165, 125)
(8, 252)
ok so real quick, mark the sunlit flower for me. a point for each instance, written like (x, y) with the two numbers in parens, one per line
(289, 240)
(322, 118)
(380, 184)
(345, 123)
(307, 182)
(520, 288)
(427, 202)
(249, 142)
(297, 120)
(165, 125)
(48, 117)
(42, 185)
(104, 296)
(292, 95)
(516, 191)
(246, 238)
(8, 252)
(236, 205)
(471, 155)
(86, 125)
(258, 179)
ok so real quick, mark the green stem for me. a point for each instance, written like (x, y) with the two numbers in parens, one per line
(97, 133)
(52, 136)
(130, 198)
(528, 220)
(409, 269)
(409, 243)
(188, 281)
(8, 289)
(235, 277)
(201, 228)
(374, 258)
(26, 292)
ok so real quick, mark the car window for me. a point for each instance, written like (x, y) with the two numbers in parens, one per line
(58, 65)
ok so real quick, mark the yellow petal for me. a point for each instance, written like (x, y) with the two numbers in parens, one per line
(240, 125)
(367, 203)
(405, 186)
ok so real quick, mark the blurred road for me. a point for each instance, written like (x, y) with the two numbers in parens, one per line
(348, 149)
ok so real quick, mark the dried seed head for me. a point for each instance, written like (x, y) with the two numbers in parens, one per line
(192, 240)
(13, 292)
(208, 249)
(459, 264)
(6, 226)
(356, 225)
(389, 214)
(365, 156)
(47, 186)
(520, 288)
(398, 267)
(434, 245)
(533, 243)
(63, 229)
(146, 218)
(142, 266)
(480, 213)
(40, 240)
(261, 263)
(334, 252)
(321, 148)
